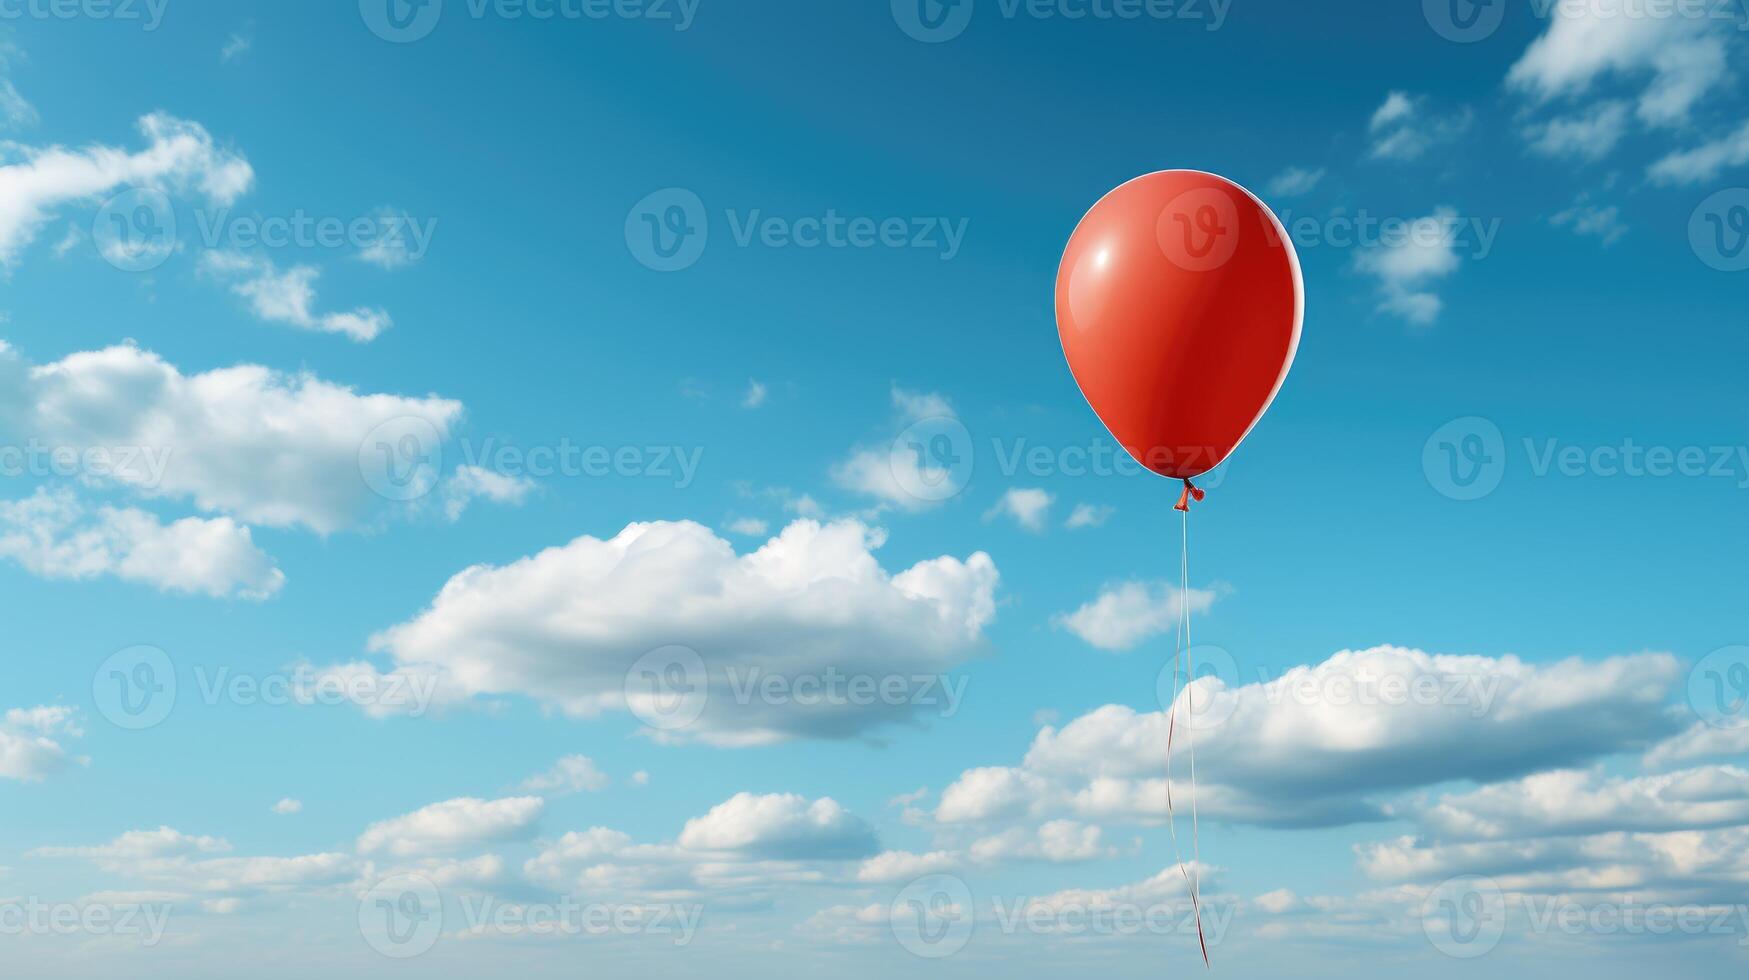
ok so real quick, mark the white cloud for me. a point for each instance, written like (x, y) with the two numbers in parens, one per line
(1057, 841)
(1406, 265)
(571, 774)
(1089, 515)
(31, 746)
(1704, 162)
(270, 448)
(1126, 613)
(235, 47)
(780, 826)
(1683, 57)
(1570, 802)
(140, 845)
(287, 807)
(468, 483)
(1589, 219)
(900, 475)
(288, 297)
(755, 396)
(399, 239)
(180, 156)
(1589, 135)
(914, 405)
(1294, 181)
(453, 825)
(53, 536)
(751, 527)
(1317, 744)
(1699, 741)
(1402, 129)
(1029, 506)
(895, 866)
(566, 625)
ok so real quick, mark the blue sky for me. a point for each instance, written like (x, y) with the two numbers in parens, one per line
(339, 356)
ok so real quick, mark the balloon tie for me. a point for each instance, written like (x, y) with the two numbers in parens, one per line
(1190, 493)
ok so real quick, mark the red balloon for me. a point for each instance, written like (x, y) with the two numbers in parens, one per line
(1179, 304)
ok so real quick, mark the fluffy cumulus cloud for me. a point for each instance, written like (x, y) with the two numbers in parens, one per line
(571, 774)
(776, 643)
(1403, 128)
(270, 448)
(780, 826)
(1573, 802)
(899, 866)
(1027, 506)
(54, 536)
(1319, 745)
(469, 483)
(1125, 614)
(289, 296)
(908, 474)
(1674, 60)
(736, 854)
(1407, 266)
(179, 156)
(1706, 161)
(453, 825)
(32, 741)
(185, 868)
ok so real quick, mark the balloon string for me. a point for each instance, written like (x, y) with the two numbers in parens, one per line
(1182, 656)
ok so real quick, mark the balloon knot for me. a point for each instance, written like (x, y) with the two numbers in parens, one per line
(1190, 493)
